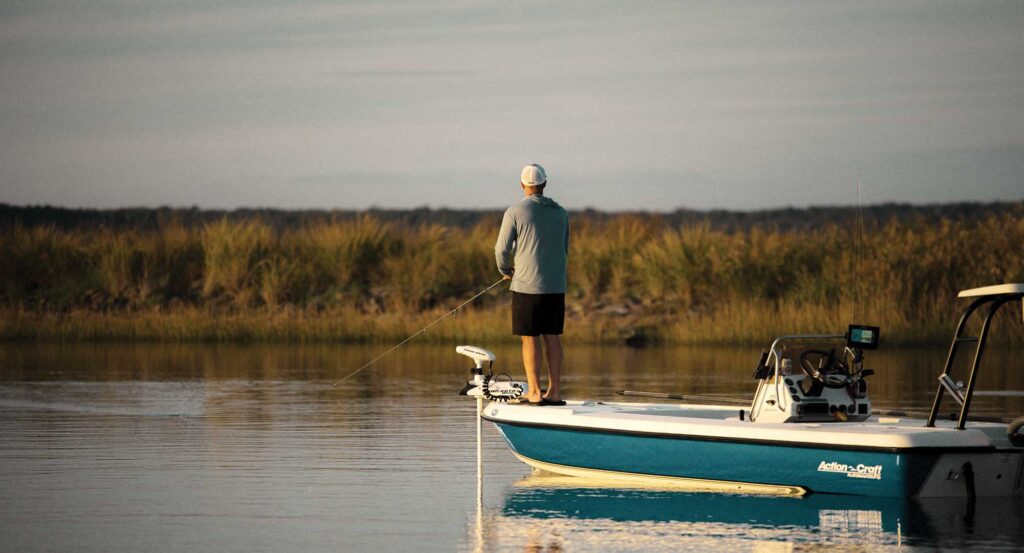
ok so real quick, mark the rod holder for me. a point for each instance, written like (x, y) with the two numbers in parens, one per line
(954, 388)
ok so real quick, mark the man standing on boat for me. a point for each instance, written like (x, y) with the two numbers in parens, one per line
(531, 251)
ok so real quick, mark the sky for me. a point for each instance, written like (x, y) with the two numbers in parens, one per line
(399, 104)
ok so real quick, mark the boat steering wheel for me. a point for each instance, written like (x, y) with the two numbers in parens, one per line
(833, 372)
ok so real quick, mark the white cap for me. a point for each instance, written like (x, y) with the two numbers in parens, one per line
(533, 175)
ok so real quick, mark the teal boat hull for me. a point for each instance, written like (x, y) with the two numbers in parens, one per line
(847, 470)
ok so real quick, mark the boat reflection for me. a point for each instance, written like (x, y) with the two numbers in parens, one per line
(550, 512)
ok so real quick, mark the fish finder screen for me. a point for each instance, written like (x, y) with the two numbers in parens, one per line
(863, 337)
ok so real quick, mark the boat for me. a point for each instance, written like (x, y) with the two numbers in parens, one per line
(809, 428)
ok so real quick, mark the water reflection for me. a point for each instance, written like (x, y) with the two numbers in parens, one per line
(169, 447)
(547, 512)
(905, 378)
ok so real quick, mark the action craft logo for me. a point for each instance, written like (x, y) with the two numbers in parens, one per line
(873, 472)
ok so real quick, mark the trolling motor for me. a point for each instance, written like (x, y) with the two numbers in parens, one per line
(488, 385)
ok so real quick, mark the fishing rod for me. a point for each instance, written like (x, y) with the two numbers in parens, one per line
(421, 331)
(684, 397)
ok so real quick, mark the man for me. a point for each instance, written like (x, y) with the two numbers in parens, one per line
(537, 230)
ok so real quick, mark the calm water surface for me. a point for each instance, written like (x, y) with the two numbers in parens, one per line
(243, 448)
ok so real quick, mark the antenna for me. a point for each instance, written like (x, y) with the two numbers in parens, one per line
(860, 253)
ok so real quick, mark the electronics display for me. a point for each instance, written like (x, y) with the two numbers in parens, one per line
(862, 336)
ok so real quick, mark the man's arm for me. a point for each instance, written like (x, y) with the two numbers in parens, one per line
(566, 234)
(505, 245)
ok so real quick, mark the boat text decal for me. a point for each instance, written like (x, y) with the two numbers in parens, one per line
(873, 472)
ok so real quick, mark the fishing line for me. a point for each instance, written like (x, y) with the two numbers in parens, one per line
(421, 331)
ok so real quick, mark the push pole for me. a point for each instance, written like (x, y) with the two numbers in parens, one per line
(479, 447)
(479, 476)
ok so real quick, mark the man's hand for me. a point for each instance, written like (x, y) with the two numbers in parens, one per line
(508, 276)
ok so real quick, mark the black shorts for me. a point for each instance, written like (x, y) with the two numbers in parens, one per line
(536, 314)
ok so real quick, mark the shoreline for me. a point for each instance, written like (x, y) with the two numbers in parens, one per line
(344, 326)
(633, 280)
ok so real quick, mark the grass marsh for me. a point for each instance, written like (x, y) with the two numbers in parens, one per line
(364, 280)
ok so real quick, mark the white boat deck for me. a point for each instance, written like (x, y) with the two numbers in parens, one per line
(723, 422)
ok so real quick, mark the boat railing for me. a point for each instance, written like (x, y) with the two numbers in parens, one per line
(994, 297)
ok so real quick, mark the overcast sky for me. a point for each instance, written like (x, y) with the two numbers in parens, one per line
(629, 105)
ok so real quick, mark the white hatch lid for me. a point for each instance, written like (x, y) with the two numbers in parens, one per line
(997, 290)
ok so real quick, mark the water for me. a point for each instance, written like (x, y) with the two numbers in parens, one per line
(250, 448)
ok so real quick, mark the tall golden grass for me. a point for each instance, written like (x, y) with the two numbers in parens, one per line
(630, 276)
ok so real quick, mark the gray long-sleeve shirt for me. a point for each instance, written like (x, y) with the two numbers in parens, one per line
(536, 232)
